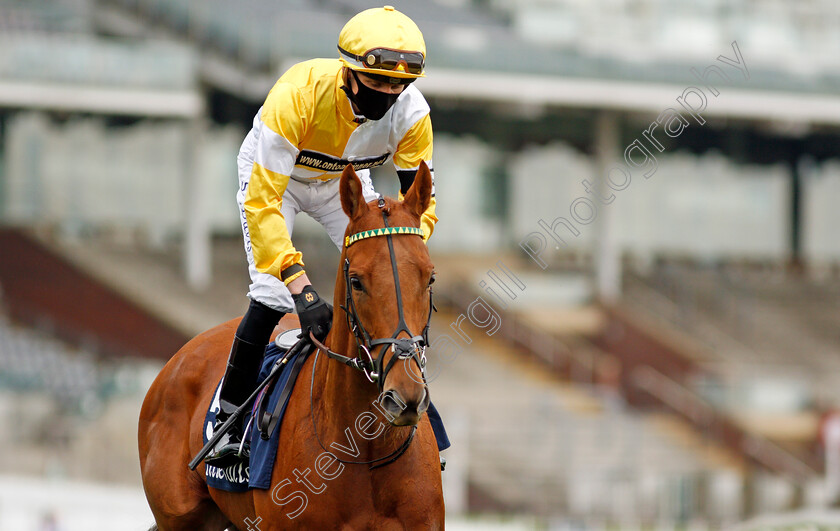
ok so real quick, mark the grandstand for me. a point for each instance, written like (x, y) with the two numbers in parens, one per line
(672, 358)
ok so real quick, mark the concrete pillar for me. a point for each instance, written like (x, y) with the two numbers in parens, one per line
(455, 478)
(831, 436)
(196, 224)
(607, 252)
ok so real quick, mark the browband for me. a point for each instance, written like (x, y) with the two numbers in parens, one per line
(385, 231)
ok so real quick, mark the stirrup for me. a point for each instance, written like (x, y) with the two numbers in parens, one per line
(442, 463)
(232, 447)
(229, 453)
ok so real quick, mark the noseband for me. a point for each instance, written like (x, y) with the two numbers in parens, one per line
(412, 347)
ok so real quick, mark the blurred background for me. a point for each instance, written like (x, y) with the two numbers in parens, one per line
(615, 350)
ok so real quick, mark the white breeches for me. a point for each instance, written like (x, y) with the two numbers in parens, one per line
(319, 199)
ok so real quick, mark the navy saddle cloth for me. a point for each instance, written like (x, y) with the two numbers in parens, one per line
(256, 472)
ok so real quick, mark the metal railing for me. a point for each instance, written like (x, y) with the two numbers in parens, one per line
(717, 425)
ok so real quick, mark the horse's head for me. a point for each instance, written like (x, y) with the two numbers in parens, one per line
(386, 288)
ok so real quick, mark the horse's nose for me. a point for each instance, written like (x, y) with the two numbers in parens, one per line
(404, 411)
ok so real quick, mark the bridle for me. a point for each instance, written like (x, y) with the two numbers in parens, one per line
(412, 347)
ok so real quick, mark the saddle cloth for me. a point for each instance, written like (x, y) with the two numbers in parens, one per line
(241, 476)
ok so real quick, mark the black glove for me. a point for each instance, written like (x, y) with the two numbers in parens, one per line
(315, 313)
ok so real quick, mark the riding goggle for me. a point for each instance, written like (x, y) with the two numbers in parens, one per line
(388, 59)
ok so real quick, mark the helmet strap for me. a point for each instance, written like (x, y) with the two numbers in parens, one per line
(347, 90)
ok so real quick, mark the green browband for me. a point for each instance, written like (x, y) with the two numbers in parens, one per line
(385, 231)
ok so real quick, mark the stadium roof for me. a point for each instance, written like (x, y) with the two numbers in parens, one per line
(474, 55)
(71, 72)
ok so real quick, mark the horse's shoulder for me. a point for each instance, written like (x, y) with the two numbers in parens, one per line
(215, 342)
(204, 353)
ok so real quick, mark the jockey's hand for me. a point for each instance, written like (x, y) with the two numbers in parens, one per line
(315, 313)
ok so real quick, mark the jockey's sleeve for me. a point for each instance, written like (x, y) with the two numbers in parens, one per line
(416, 145)
(282, 124)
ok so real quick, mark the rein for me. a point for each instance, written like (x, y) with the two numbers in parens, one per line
(393, 456)
(413, 347)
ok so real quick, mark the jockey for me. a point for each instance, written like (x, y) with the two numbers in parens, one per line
(320, 115)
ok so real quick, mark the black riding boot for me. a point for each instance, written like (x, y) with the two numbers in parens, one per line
(240, 376)
(240, 379)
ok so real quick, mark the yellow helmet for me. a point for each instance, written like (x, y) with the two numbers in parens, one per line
(383, 41)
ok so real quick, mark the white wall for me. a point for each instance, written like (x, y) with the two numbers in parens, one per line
(460, 176)
(821, 218)
(25, 502)
(704, 206)
(82, 173)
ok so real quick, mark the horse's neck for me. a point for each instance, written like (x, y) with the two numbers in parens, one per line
(346, 390)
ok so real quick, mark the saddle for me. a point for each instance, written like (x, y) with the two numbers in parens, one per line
(267, 420)
(277, 378)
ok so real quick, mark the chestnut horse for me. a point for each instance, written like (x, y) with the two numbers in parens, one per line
(312, 488)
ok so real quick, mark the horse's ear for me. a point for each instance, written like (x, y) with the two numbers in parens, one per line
(419, 195)
(350, 189)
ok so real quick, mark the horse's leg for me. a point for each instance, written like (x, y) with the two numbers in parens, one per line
(204, 517)
(178, 504)
(179, 497)
(170, 434)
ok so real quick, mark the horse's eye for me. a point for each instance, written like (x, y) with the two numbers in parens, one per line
(356, 284)
(432, 279)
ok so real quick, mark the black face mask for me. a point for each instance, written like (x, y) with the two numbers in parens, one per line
(371, 103)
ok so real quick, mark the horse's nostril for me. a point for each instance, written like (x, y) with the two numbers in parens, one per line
(393, 402)
(404, 411)
(424, 402)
